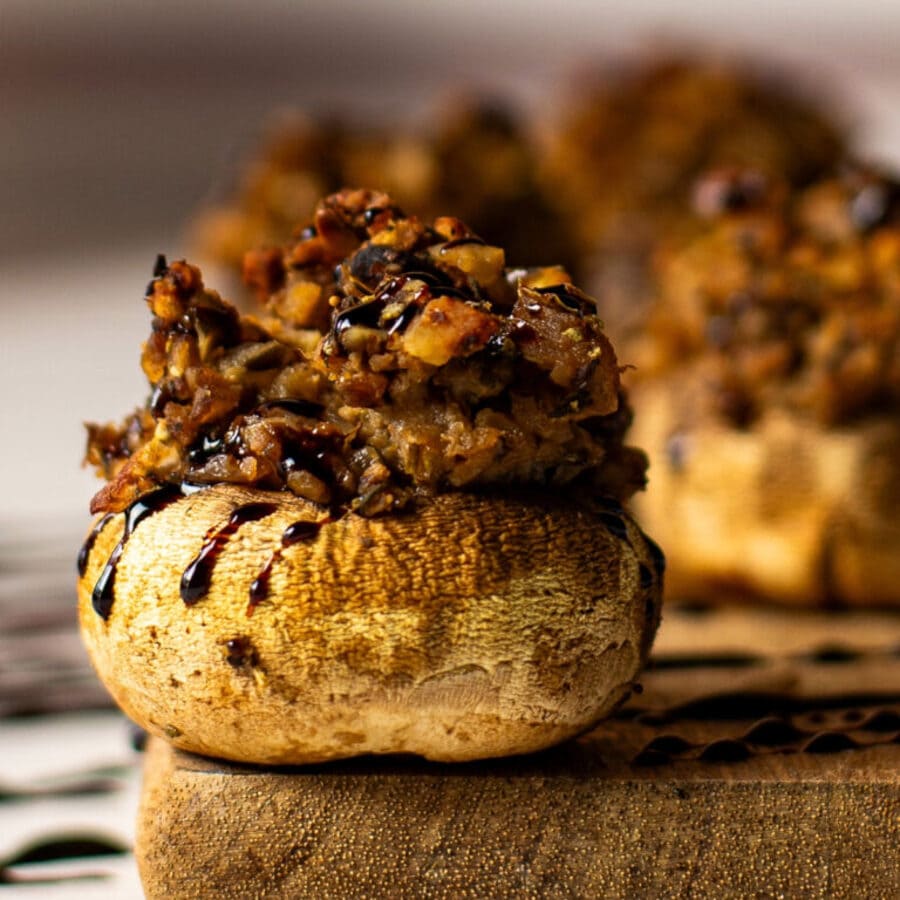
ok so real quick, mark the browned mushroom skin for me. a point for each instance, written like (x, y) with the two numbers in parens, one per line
(768, 383)
(483, 624)
(393, 361)
(383, 517)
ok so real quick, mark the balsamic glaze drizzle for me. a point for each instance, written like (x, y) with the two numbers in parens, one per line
(197, 577)
(301, 531)
(366, 314)
(369, 314)
(461, 242)
(104, 590)
(569, 297)
(85, 551)
(295, 533)
(259, 587)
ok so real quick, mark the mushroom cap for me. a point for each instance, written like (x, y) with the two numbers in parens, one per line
(479, 626)
(787, 510)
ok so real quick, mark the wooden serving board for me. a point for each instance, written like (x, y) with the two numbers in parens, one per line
(761, 759)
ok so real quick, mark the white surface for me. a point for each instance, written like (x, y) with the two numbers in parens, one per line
(35, 750)
(72, 330)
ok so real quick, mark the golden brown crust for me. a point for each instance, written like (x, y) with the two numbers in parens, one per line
(637, 137)
(338, 589)
(624, 160)
(480, 626)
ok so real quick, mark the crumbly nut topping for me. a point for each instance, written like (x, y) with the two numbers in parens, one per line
(476, 161)
(785, 297)
(592, 184)
(393, 360)
(629, 149)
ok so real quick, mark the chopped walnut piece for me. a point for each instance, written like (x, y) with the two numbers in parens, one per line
(446, 328)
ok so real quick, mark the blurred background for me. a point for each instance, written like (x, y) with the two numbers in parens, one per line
(118, 121)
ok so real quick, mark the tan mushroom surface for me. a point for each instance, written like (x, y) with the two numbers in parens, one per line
(768, 384)
(383, 516)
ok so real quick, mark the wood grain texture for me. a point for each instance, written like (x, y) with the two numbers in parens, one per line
(561, 827)
(753, 775)
(43, 664)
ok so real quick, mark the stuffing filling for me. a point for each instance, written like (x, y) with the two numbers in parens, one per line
(391, 360)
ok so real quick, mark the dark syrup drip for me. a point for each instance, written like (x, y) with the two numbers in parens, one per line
(85, 551)
(259, 587)
(197, 576)
(158, 400)
(568, 297)
(296, 533)
(104, 590)
(402, 322)
(614, 524)
(439, 284)
(301, 531)
(369, 314)
(366, 314)
(461, 242)
(240, 652)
